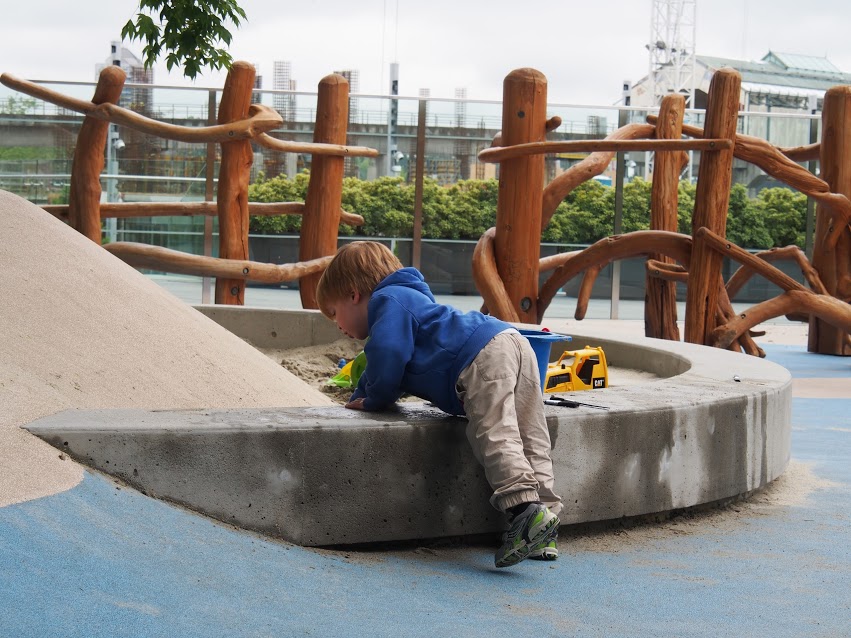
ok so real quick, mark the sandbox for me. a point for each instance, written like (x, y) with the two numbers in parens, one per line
(714, 425)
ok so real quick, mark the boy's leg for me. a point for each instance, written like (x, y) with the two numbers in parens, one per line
(534, 433)
(537, 445)
(487, 388)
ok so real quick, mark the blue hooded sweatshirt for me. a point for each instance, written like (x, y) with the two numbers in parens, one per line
(418, 346)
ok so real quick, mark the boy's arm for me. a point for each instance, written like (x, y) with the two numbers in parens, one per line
(388, 351)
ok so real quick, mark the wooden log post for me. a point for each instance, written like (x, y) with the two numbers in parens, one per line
(660, 303)
(521, 181)
(85, 191)
(234, 175)
(710, 206)
(325, 190)
(833, 263)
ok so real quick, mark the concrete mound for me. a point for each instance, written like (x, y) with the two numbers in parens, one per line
(81, 329)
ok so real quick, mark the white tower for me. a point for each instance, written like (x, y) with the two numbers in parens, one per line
(282, 80)
(672, 43)
(353, 76)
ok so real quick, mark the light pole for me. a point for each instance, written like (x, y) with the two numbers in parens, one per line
(113, 144)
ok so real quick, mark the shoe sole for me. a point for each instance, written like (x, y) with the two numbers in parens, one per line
(546, 552)
(550, 553)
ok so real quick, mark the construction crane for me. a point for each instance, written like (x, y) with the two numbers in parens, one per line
(672, 49)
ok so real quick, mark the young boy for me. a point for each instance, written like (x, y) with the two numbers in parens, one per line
(464, 363)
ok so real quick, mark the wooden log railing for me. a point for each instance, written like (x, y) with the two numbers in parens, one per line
(779, 165)
(710, 206)
(84, 193)
(496, 154)
(324, 191)
(832, 239)
(710, 318)
(259, 120)
(660, 305)
(589, 167)
(239, 123)
(518, 208)
(825, 307)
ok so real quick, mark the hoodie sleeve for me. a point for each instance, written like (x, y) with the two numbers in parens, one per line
(388, 351)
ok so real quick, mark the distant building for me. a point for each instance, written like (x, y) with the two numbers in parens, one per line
(257, 98)
(135, 98)
(285, 104)
(353, 76)
(778, 83)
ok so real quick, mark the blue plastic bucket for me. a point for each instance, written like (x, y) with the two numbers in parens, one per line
(542, 342)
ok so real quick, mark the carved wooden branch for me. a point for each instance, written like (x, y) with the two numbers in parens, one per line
(808, 153)
(585, 289)
(725, 247)
(743, 273)
(314, 148)
(825, 307)
(46, 95)
(488, 281)
(675, 272)
(591, 166)
(501, 153)
(666, 271)
(260, 118)
(173, 209)
(165, 259)
(546, 264)
(641, 242)
(771, 160)
(743, 340)
(830, 309)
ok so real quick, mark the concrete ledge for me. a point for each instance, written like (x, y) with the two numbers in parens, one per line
(272, 329)
(323, 476)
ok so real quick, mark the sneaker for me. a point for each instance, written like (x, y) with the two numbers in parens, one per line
(528, 529)
(547, 549)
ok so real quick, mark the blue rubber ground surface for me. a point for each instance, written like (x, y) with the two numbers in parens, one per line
(103, 560)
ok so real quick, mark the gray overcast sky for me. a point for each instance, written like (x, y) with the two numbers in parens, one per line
(586, 49)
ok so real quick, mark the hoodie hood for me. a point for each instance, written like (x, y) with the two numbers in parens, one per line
(409, 278)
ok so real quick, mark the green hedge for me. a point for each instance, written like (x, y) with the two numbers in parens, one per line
(465, 210)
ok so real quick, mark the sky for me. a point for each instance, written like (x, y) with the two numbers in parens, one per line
(585, 49)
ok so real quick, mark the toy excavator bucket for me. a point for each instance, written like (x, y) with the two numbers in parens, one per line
(350, 374)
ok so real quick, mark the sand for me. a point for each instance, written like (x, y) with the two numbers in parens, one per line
(315, 365)
(81, 329)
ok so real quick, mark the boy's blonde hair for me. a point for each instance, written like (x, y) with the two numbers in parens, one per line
(357, 267)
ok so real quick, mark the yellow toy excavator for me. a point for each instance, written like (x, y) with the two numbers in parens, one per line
(584, 369)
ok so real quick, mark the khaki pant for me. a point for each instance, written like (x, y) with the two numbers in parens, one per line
(506, 426)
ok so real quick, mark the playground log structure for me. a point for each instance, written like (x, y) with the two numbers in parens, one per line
(507, 263)
(239, 124)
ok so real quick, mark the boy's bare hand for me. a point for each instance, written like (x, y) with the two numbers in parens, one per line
(357, 404)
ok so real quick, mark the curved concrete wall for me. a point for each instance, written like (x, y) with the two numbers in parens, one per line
(322, 476)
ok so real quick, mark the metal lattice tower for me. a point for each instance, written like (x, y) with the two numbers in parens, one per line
(672, 49)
